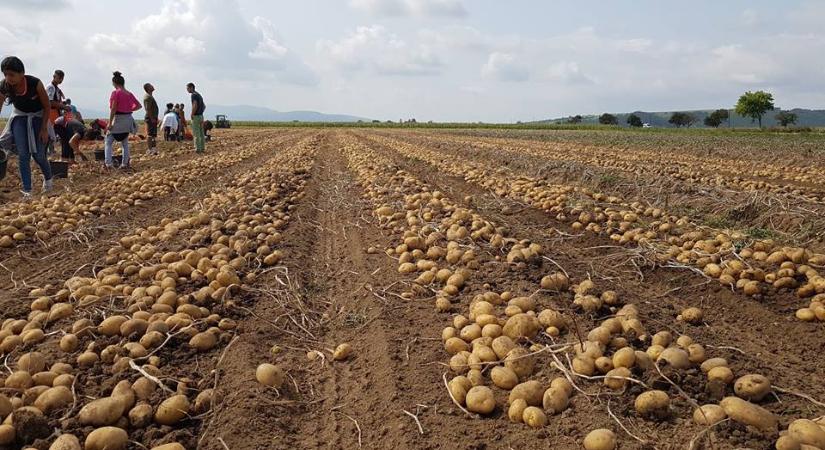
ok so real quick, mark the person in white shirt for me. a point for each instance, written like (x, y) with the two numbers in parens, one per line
(169, 123)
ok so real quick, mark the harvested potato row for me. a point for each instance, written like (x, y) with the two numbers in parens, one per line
(48, 216)
(177, 294)
(719, 254)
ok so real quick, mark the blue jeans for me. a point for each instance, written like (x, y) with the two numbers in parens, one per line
(108, 149)
(19, 130)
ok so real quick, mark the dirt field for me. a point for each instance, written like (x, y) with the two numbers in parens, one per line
(564, 264)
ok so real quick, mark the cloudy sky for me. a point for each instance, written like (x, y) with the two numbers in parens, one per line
(459, 60)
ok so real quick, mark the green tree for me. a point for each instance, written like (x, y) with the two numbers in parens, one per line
(608, 119)
(681, 119)
(716, 118)
(786, 118)
(755, 105)
(634, 121)
(575, 119)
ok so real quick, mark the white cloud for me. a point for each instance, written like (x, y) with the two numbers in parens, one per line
(751, 18)
(505, 67)
(424, 8)
(209, 33)
(634, 45)
(375, 49)
(567, 72)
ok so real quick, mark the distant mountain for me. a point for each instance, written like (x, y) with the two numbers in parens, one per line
(242, 113)
(806, 118)
(258, 113)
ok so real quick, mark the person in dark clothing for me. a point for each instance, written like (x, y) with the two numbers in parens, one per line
(150, 105)
(29, 122)
(198, 108)
(70, 133)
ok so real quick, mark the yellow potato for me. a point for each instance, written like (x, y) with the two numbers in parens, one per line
(106, 438)
(534, 417)
(54, 399)
(530, 391)
(807, 432)
(270, 375)
(749, 414)
(709, 414)
(752, 387)
(172, 410)
(516, 410)
(655, 404)
(601, 439)
(100, 412)
(66, 442)
(480, 399)
(504, 377)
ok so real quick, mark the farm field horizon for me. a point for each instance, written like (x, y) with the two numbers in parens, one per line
(320, 287)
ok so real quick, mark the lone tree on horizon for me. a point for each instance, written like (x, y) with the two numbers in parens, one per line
(608, 119)
(681, 119)
(786, 118)
(755, 105)
(634, 121)
(716, 118)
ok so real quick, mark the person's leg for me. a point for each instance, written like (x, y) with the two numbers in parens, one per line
(107, 149)
(65, 147)
(43, 161)
(74, 145)
(197, 132)
(20, 132)
(125, 162)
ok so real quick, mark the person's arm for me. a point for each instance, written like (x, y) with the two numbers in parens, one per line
(135, 103)
(194, 108)
(44, 102)
(2, 101)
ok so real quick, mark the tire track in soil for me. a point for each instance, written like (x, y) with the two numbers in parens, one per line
(765, 331)
(39, 265)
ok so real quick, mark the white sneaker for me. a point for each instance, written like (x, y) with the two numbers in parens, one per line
(26, 196)
(48, 185)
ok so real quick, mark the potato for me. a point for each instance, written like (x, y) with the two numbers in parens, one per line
(752, 387)
(459, 362)
(552, 318)
(709, 414)
(713, 362)
(722, 374)
(555, 400)
(601, 439)
(584, 365)
(807, 432)
(66, 442)
(749, 414)
(624, 357)
(603, 364)
(342, 352)
(455, 345)
(7, 434)
(32, 362)
(504, 377)
(106, 438)
(787, 443)
(458, 387)
(675, 357)
(616, 378)
(54, 399)
(531, 391)
(270, 375)
(653, 404)
(521, 326)
(203, 342)
(502, 345)
(100, 412)
(480, 399)
(663, 338)
(141, 415)
(205, 400)
(476, 377)
(44, 378)
(520, 361)
(516, 410)
(172, 410)
(5, 406)
(692, 315)
(144, 388)
(170, 446)
(534, 417)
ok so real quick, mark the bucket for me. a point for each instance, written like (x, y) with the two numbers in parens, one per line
(100, 155)
(60, 169)
(117, 160)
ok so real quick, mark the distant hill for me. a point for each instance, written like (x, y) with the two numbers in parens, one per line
(806, 118)
(242, 113)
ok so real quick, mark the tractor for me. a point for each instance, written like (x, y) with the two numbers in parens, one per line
(222, 122)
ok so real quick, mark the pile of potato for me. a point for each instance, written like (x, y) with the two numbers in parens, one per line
(170, 282)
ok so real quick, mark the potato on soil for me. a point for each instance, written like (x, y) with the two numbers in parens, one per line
(480, 399)
(106, 438)
(601, 439)
(555, 399)
(752, 387)
(653, 404)
(170, 446)
(458, 387)
(504, 377)
(521, 326)
(530, 391)
(342, 352)
(172, 410)
(270, 375)
(5, 406)
(53, 399)
(692, 315)
(66, 442)
(7, 434)
(534, 417)
(516, 410)
(709, 414)
(141, 415)
(807, 432)
(100, 412)
(748, 413)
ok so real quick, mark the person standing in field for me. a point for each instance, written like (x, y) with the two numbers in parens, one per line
(181, 123)
(152, 111)
(198, 108)
(170, 123)
(56, 99)
(122, 104)
(28, 125)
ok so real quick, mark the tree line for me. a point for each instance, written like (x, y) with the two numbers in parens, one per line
(753, 105)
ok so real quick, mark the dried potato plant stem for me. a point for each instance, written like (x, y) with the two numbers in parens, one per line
(447, 386)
